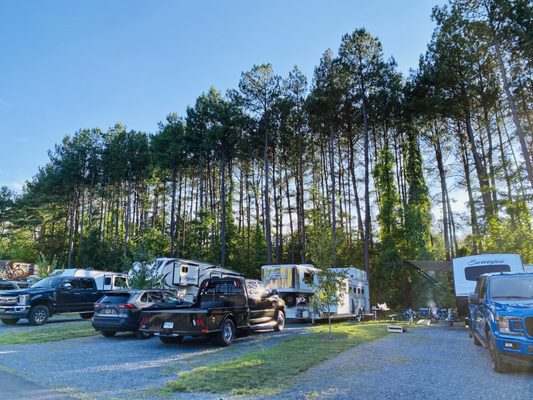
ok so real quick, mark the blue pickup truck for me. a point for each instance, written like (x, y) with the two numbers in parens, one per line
(501, 314)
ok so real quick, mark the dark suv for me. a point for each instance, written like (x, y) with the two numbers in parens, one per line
(119, 311)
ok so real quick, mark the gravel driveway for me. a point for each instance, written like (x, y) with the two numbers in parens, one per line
(426, 363)
(122, 367)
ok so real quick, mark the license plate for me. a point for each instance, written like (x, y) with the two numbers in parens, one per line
(108, 311)
(168, 325)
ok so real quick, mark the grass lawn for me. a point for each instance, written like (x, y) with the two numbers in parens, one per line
(271, 370)
(52, 334)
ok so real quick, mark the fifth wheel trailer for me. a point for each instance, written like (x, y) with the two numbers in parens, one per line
(184, 276)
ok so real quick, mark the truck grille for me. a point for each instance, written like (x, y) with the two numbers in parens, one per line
(9, 300)
(529, 326)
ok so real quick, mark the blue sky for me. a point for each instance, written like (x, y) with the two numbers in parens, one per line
(66, 65)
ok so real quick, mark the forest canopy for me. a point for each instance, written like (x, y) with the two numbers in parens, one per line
(354, 166)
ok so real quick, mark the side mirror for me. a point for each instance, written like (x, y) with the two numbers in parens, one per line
(473, 298)
(66, 286)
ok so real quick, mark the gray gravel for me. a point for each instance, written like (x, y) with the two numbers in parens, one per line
(426, 363)
(123, 367)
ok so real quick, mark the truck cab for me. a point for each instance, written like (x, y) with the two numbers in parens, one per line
(67, 291)
(501, 314)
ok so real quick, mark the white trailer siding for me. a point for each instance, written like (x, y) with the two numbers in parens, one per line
(295, 284)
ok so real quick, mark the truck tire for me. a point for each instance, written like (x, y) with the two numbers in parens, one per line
(38, 315)
(10, 321)
(280, 321)
(476, 340)
(86, 315)
(226, 335)
(171, 339)
(109, 333)
(495, 358)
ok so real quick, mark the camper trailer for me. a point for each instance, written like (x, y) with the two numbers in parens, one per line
(184, 276)
(466, 270)
(295, 283)
(105, 280)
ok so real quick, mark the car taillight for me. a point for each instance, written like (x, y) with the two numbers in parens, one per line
(128, 306)
(144, 321)
(199, 322)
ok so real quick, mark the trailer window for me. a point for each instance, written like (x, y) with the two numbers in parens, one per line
(185, 270)
(308, 278)
(121, 282)
(107, 281)
(472, 273)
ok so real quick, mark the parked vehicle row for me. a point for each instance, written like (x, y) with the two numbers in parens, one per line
(63, 292)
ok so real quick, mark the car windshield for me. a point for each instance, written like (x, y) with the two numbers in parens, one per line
(47, 283)
(512, 287)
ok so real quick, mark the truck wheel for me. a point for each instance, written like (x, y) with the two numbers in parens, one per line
(226, 335)
(476, 340)
(495, 358)
(280, 321)
(86, 315)
(171, 339)
(10, 321)
(38, 315)
(109, 333)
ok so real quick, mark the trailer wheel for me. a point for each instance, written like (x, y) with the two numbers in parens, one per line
(280, 321)
(226, 335)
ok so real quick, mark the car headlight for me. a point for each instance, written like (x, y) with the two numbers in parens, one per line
(504, 325)
(24, 299)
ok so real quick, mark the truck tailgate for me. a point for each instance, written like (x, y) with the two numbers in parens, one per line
(183, 321)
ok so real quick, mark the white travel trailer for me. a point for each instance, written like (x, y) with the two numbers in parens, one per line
(105, 280)
(295, 283)
(466, 270)
(528, 267)
(184, 276)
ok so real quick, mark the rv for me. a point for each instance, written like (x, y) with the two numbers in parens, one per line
(105, 280)
(296, 284)
(466, 270)
(184, 276)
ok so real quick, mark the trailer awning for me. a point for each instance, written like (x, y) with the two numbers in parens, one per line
(430, 266)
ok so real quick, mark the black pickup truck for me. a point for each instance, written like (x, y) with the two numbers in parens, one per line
(223, 306)
(53, 295)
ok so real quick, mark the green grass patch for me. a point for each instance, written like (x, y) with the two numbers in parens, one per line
(52, 334)
(268, 371)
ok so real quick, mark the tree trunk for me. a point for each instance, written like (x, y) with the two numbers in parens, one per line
(172, 212)
(512, 105)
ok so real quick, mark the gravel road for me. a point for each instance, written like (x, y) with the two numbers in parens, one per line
(427, 363)
(122, 367)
